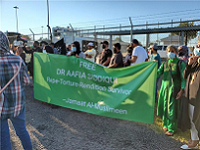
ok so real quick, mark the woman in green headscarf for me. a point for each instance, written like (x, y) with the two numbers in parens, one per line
(172, 89)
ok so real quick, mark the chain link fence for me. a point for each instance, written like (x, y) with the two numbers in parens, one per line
(148, 33)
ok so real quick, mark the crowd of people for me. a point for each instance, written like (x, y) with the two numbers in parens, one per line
(178, 102)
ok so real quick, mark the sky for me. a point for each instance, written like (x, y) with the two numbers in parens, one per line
(33, 13)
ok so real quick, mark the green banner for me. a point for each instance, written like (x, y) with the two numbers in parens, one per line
(125, 93)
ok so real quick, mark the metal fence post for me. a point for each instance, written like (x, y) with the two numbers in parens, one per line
(111, 42)
(171, 34)
(131, 28)
(147, 36)
(182, 37)
(33, 34)
(95, 35)
(120, 30)
(72, 31)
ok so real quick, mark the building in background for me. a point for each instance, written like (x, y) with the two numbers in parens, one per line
(174, 40)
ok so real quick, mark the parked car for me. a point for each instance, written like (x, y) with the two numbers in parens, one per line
(163, 53)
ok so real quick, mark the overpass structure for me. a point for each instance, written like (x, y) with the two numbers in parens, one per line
(166, 27)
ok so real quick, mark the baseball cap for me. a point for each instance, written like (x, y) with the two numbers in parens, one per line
(154, 46)
(105, 42)
(183, 48)
(135, 41)
(90, 44)
(18, 43)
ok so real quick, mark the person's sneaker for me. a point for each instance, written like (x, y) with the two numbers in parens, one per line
(186, 147)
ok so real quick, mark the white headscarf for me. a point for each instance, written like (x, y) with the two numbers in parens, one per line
(4, 44)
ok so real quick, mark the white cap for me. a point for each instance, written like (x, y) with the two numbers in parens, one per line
(18, 43)
(90, 44)
(154, 46)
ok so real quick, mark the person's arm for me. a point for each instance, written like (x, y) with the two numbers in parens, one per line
(87, 54)
(107, 61)
(116, 61)
(183, 80)
(134, 56)
(147, 57)
(28, 51)
(90, 54)
(156, 59)
(126, 61)
(187, 71)
(113, 65)
(189, 67)
(26, 77)
(108, 58)
(23, 56)
(160, 70)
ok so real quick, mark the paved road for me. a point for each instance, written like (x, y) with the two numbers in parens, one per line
(66, 129)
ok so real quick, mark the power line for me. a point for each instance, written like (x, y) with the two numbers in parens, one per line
(153, 15)
(145, 18)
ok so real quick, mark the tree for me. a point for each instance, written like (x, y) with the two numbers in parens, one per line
(26, 37)
(188, 34)
(152, 43)
(118, 39)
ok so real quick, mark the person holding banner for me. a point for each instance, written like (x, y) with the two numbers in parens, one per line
(76, 50)
(105, 55)
(13, 76)
(117, 58)
(139, 54)
(90, 54)
(128, 56)
(31, 51)
(172, 88)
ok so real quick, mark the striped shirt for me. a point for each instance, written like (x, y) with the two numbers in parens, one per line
(12, 100)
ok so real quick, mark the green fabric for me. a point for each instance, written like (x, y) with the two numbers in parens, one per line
(125, 93)
(168, 105)
(169, 124)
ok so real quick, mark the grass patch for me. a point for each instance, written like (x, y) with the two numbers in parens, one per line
(158, 125)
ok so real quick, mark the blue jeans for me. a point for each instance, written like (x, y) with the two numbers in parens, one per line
(20, 129)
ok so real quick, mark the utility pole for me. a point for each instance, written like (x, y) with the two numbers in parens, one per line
(48, 17)
(42, 32)
(131, 28)
(16, 19)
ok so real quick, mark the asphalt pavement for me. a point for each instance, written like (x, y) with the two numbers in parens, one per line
(67, 129)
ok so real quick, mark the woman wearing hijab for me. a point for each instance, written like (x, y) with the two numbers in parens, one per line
(171, 90)
(192, 93)
(12, 98)
(76, 50)
(183, 53)
(48, 49)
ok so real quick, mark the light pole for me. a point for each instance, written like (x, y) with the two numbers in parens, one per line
(16, 18)
(48, 17)
(42, 32)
